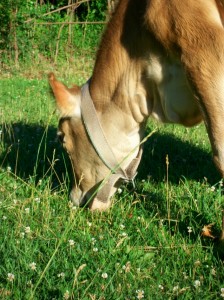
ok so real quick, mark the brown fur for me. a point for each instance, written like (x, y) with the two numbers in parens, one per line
(163, 58)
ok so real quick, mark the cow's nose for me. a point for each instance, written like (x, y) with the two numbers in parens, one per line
(77, 197)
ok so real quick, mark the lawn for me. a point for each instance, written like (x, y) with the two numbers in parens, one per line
(148, 245)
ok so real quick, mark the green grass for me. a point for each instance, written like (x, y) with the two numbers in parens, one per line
(142, 243)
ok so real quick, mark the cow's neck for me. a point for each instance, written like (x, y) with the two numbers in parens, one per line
(116, 87)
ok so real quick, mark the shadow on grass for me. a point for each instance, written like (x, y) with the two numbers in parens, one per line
(185, 160)
(32, 150)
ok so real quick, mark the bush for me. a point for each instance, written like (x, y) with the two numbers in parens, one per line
(24, 36)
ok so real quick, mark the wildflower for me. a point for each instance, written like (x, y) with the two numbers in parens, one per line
(161, 287)
(66, 295)
(175, 288)
(29, 283)
(9, 169)
(93, 240)
(222, 292)
(213, 271)
(89, 224)
(185, 275)
(11, 277)
(22, 234)
(212, 189)
(95, 249)
(140, 294)
(104, 275)
(27, 229)
(119, 190)
(37, 200)
(197, 284)
(189, 229)
(124, 234)
(127, 267)
(33, 266)
(71, 243)
(4, 218)
(122, 226)
(61, 275)
(27, 210)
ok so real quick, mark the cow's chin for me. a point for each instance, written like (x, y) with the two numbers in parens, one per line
(81, 199)
(97, 205)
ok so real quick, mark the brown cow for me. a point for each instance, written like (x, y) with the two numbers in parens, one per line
(159, 58)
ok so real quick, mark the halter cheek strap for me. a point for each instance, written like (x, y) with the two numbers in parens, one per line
(103, 149)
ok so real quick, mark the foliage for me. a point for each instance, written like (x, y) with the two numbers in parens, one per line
(27, 32)
(5, 12)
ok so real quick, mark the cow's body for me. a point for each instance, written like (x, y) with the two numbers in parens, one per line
(160, 58)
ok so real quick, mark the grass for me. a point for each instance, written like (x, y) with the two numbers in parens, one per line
(148, 244)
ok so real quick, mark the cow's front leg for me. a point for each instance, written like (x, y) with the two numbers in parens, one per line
(205, 68)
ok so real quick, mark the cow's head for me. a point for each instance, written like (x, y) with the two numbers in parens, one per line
(89, 170)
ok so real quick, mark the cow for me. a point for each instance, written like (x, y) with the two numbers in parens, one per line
(157, 58)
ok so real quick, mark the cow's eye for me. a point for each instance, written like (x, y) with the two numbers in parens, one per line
(61, 137)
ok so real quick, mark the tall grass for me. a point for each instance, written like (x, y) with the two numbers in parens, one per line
(147, 245)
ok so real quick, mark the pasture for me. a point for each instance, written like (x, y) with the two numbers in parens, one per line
(148, 245)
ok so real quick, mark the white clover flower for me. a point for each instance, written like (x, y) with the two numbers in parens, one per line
(27, 210)
(27, 229)
(122, 226)
(104, 275)
(189, 229)
(93, 241)
(89, 224)
(197, 284)
(95, 249)
(11, 277)
(37, 200)
(4, 218)
(30, 283)
(175, 288)
(33, 266)
(66, 295)
(119, 190)
(71, 243)
(140, 294)
(222, 292)
(213, 271)
(160, 287)
(9, 169)
(212, 188)
(124, 234)
(61, 275)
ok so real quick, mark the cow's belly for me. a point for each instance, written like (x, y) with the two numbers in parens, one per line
(172, 98)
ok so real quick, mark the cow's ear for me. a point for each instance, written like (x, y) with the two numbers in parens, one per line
(67, 99)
